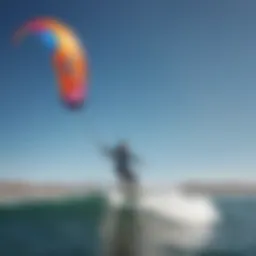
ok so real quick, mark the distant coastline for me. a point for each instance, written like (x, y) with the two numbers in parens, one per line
(216, 188)
(23, 189)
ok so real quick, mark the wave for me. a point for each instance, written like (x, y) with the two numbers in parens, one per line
(173, 219)
(168, 220)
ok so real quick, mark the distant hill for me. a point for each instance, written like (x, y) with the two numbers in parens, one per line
(18, 189)
(228, 187)
(23, 189)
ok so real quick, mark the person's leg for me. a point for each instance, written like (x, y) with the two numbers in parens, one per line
(131, 193)
(128, 187)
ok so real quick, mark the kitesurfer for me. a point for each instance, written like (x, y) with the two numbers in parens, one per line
(123, 160)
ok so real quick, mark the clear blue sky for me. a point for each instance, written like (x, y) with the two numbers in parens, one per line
(176, 78)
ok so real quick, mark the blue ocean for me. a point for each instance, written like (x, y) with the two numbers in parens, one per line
(70, 227)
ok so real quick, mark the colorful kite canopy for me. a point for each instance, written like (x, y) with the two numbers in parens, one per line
(68, 57)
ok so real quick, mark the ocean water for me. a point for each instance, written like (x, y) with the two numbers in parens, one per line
(71, 227)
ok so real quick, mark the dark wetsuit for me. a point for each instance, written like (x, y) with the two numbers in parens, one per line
(122, 159)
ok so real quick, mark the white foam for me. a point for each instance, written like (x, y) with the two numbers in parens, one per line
(173, 219)
(182, 208)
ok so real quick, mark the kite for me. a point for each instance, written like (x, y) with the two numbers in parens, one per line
(69, 59)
